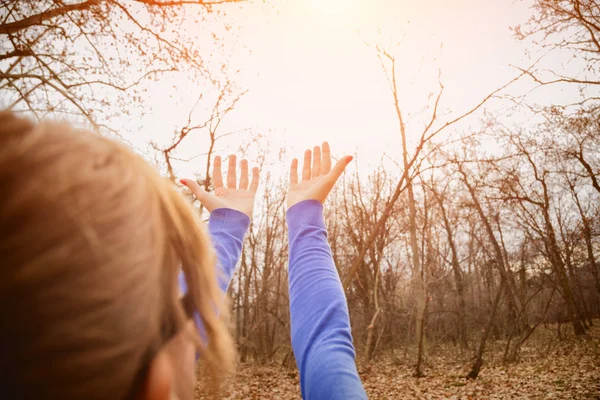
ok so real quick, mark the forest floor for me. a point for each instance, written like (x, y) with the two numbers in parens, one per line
(548, 369)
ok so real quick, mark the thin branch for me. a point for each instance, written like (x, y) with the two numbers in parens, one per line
(38, 19)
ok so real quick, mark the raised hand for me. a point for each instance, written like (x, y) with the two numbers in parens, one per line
(318, 178)
(239, 197)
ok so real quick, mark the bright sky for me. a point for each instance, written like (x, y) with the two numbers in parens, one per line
(311, 76)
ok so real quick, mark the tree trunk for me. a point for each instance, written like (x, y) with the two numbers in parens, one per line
(417, 269)
(506, 276)
(479, 360)
(245, 308)
(551, 244)
(587, 236)
(511, 351)
(559, 268)
(370, 346)
(460, 323)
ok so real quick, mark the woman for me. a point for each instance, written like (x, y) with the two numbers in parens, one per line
(91, 244)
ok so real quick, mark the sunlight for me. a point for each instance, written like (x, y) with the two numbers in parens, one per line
(334, 7)
(452, 217)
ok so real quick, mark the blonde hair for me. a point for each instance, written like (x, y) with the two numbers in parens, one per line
(91, 242)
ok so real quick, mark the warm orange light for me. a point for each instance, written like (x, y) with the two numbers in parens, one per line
(333, 7)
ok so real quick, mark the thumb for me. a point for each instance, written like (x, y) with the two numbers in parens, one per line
(339, 168)
(202, 195)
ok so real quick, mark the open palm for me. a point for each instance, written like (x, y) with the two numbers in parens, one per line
(236, 196)
(318, 177)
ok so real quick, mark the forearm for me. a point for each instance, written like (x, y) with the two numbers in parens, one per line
(320, 324)
(227, 229)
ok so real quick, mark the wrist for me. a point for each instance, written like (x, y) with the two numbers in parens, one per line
(305, 212)
(292, 201)
(229, 216)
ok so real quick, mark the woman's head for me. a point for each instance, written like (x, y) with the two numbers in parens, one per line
(91, 242)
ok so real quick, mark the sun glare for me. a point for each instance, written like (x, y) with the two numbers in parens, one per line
(333, 7)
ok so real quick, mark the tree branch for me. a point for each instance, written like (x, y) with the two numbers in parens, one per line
(38, 19)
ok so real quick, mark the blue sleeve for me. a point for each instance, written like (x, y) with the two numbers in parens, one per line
(320, 324)
(227, 229)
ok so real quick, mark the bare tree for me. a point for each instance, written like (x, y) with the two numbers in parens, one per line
(76, 58)
(361, 205)
(587, 233)
(224, 104)
(449, 226)
(426, 136)
(474, 373)
(572, 26)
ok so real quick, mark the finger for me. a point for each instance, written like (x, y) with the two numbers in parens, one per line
(244, 177)
(316, 168)
(294, 172)
(306, 166)
(231, 172)
(325, 159)
(339, 168)
(254, 183)
(217, 175)
(205, 198)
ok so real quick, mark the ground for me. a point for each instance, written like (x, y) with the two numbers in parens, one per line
(548, 369)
